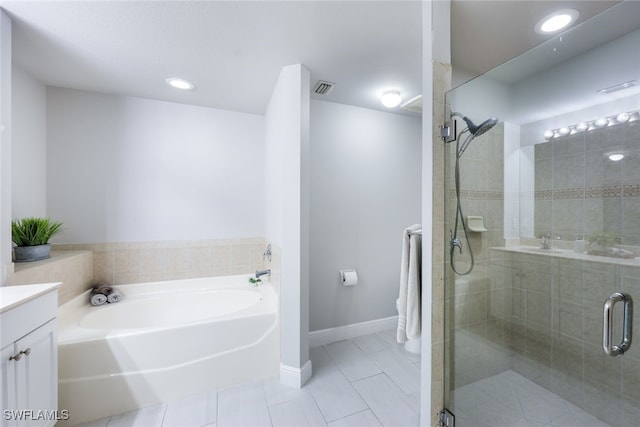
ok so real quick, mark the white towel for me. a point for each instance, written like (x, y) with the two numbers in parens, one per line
(98, 299)
(408, 303)
(114, 296)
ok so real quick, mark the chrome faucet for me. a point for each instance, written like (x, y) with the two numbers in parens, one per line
(262, 273)
(546, 241)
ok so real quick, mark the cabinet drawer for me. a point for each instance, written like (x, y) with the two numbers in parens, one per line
(22, 319)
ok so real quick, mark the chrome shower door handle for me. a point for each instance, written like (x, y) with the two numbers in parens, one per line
(607, 329)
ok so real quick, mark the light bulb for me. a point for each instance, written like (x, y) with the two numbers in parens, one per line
(178, 83)
(391, 98)
(581, 127)
(556, 21)
(601, 122)
(623, 117)
(548, 134)
(563, 131)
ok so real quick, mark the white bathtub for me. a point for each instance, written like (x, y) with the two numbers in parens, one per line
(163, 341)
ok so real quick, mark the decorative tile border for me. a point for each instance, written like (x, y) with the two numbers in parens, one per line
(631, 190)
(602, 192)
(568, 193)
(612, 191)
(477, 194)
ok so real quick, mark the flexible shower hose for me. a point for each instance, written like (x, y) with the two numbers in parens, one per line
(454, 242)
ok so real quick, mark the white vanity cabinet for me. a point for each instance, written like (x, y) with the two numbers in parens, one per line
(29, 350)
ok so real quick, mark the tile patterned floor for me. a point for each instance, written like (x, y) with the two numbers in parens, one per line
(511, 400)
(369, 381)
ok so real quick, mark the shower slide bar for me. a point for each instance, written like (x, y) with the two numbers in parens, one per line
(607, 329)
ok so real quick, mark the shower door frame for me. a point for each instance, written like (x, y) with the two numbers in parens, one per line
(549, 308)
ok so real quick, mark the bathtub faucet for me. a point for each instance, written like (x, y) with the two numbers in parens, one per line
(262, 273)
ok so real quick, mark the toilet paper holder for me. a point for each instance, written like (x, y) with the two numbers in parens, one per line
(348, 277)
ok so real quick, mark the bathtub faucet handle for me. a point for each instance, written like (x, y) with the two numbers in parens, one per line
(262, 273)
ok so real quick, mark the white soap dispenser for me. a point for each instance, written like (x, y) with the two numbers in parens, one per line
(578, 245)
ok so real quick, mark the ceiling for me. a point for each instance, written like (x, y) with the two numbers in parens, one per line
(487, 33)
(233, 50)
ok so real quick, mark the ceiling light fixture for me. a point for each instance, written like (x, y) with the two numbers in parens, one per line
(178, 83)
(556, 21)
(391, 98)
(616, 157)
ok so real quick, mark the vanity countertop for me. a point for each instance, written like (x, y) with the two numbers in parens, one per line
(569, 254)
(12, 296)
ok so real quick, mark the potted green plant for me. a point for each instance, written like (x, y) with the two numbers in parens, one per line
(31, 237)
(600, 243)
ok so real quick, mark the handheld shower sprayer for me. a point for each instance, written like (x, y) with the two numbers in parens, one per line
(474, 130)
(454, 242)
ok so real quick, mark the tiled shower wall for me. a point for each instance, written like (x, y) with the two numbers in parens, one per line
(79, 266)
(470, 316)
(546, 316)
(578, 190)
(542, 315)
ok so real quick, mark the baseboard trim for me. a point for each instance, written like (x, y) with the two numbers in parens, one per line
(326, 336)
(295, 377)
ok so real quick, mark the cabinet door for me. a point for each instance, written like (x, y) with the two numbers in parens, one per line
(37, 379)
(8, 390)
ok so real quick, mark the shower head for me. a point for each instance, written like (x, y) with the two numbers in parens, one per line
(479, 129)
(482, 127)
(474, 130)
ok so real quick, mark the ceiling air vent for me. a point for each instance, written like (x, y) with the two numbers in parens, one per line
(323, 87)
(619, 86)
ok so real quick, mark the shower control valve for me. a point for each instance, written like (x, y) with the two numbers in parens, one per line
(455, 242)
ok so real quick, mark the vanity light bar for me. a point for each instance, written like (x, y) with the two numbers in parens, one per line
(598, 123)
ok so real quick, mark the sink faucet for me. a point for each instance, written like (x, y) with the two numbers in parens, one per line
(262, 273)
(546, 241)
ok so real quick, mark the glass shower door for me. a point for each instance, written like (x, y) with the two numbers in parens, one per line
(543, 212)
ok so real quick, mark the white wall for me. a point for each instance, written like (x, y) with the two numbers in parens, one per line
(130, 169)
(364, 191)
(5, 145)
(286, 213)
(29, 147)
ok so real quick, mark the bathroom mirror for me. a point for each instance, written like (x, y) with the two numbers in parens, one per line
(569, 110)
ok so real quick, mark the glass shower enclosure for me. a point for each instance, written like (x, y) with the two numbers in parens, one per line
(543, 228)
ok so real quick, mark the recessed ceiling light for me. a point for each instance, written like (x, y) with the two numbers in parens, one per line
(391, 98)
(556, 21)
(180, 83)
(616, 157)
